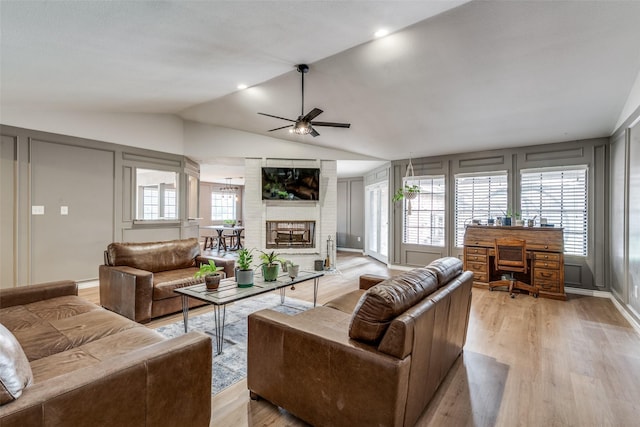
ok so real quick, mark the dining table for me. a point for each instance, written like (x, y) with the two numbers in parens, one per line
(220, 229)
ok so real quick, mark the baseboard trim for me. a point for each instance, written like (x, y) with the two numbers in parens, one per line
(606, 294)
(360, 251)
(86, 284)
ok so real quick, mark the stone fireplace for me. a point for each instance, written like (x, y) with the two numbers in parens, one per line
(290, 234)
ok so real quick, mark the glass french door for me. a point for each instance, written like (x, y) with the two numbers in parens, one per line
(377, 221)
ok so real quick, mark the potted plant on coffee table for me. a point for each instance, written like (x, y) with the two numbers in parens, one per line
(270, 265)
(211, 274)
(244, 272)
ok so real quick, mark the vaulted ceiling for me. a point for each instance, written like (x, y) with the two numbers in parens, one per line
(452, 76)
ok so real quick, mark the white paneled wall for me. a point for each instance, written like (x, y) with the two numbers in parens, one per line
(324, 212)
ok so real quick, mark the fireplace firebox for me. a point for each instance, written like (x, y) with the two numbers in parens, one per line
(290, 234)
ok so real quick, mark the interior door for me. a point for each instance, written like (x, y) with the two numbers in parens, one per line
(377, 221)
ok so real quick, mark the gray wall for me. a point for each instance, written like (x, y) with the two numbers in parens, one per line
(624, 211)
(95, 181)
(350, 227)
(583, 272)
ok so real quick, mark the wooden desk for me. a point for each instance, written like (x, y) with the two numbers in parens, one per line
(545, 250)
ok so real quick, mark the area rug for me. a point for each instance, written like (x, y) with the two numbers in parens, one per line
(231, 366)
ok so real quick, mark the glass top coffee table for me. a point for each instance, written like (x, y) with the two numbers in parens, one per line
(229, 292)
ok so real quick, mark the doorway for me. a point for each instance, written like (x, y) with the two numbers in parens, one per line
(377, 221)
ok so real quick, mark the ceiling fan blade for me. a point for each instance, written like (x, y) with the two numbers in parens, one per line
(335, 125)
(276, 117)
(312, 114)
(282, 127)
(313, 133)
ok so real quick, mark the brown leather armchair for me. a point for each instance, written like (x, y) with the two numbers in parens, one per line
(138, 279)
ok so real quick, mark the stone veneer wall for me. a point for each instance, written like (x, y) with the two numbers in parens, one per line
(324, 212)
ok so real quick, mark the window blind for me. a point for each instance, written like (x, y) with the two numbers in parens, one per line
(479, 196)
(561, 197)
(425, 225)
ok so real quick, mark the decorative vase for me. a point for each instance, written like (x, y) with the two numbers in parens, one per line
(270, 272)
(506, 221)
(293, 271)
(212, 281)
(244, 278)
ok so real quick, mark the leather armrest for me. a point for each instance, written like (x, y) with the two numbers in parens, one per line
(33, 293)
(229, 264)
(143, 387)
(127, 291)
(369, 280)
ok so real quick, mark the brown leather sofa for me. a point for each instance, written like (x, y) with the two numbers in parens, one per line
(90, 367)
(137, 279)
(373, 357)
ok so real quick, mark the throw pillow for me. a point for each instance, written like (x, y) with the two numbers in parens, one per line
(385, 301)
(15, 370)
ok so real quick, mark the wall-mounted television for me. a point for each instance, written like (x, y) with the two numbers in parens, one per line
(290, 184)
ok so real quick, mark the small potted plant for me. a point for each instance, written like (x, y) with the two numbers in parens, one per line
(229, 222)
(270, 265)
(244, 272)
(211, 274)
(408, 192)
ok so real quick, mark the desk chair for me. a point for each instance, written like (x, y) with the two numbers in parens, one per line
(511, 256)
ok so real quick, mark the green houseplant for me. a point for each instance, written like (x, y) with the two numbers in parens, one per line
(270, 265)
(408, 192)
(211, 274)
(229, 222)
(244, 272)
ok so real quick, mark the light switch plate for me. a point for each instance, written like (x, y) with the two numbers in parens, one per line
(64, 210)
(37, 210)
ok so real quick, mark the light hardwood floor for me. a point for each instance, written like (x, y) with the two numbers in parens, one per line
(527, 362)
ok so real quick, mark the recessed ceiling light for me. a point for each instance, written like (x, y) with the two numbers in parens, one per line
(381, 33)
(242, 86)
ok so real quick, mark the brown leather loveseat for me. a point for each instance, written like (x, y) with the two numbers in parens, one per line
(372, 357)
(138, 279)
(65, 361)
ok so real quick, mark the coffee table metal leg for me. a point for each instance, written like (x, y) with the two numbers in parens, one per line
(219, 314)
(282, 290)
(316, 281)
(185, 312)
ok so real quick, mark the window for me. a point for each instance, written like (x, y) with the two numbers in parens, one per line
(479, 196)
(157, 195)
(223, 206)
(424, 222)
(560, 196)
(150, 203)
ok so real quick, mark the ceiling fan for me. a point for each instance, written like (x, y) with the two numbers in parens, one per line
(305, 123)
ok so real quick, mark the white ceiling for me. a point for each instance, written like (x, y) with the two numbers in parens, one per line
(448, 79)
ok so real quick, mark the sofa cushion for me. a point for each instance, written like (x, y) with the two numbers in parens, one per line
(165, 282)
(15, 371)
(445, 269)
(346, 303)
(93, 353)
(58, 324)
(379, 305)
(154, 256)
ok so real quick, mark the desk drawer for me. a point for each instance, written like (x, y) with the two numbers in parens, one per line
(546, 256)
(476, 251)
(552, 265)
(476, 258)
(477, 267)
(480, 277)
(547, 285)
(544, 274)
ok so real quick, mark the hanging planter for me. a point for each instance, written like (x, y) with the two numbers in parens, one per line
(408, 192)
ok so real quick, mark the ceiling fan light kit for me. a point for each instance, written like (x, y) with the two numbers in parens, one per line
(304, 124)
